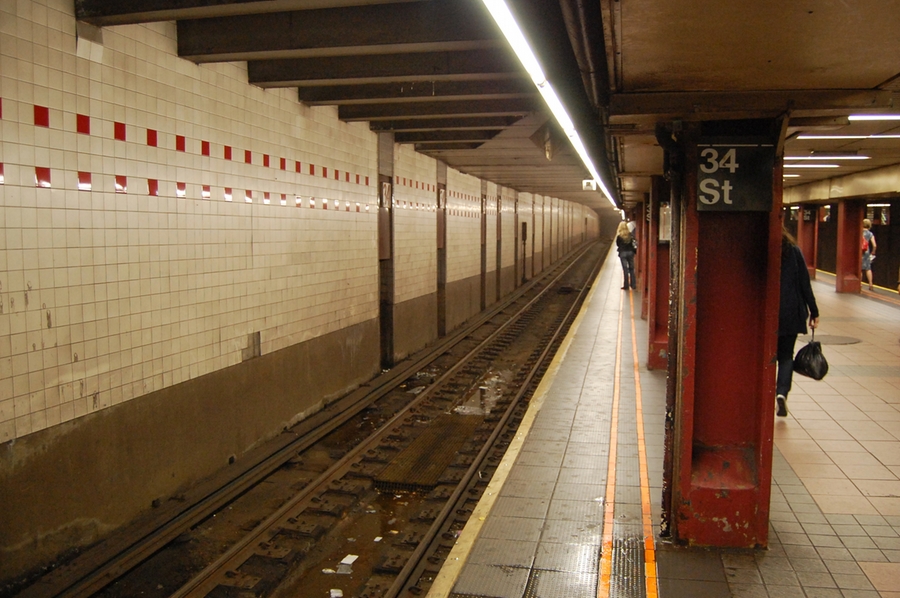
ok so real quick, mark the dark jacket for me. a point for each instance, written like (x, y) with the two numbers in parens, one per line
(797, 300)
(624, 247)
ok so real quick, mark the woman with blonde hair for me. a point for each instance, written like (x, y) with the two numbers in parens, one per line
(627, 247)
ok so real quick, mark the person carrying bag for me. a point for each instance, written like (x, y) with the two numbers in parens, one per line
(797, 303)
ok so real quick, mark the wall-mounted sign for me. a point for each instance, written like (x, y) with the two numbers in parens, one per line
(734, 176)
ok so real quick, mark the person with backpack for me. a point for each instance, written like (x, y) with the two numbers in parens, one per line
(626, 245)
(868, 248)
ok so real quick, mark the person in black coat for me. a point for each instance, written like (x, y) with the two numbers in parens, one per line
(796, 305)
(627, 247)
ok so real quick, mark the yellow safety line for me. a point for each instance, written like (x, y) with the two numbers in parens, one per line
(650, 572)
(603, 582)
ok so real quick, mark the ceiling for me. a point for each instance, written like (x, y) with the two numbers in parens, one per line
(439, 74)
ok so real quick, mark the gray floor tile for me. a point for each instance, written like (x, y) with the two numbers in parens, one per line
(491, 580)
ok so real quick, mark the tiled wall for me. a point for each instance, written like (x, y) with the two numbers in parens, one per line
(415, 224)
(463, 226)
(491, 228)
(156, 214)
(508, 227)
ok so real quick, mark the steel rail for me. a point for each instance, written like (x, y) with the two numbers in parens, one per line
(416, 564)
(205, 581)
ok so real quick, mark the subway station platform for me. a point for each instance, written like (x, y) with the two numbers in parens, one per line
(574, 510)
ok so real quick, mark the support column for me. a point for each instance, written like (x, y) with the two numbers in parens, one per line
(808, 236)
(724, 380)
(657, 250)
(441, 215)
(848, 266)
(386, 247)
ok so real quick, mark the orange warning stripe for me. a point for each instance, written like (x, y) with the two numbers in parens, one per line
(609, 507)
(650, 572)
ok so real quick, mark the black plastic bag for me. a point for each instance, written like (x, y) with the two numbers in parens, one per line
(810, 361)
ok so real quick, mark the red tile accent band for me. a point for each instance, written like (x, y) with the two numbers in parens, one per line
(284, 164)
(337, 174)
(266, 160)
(121, 183)
(119, 131)
(151, 138)
(180, 189)
(248, 157)
(367, 181)
(84, 181)
(205, 192)
(248, 196)
(41, 176)
(297, 166)
(180, 143)
(204, 148)
(41, 116)
(1, 108)
(228, 152)
(153, 187)
(347, 177)
(2, 177)
(227, 193)
(312, 169)
(83, 124)
(325, 172)
(357, 179)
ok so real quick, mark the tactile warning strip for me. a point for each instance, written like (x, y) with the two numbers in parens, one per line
(627, 579)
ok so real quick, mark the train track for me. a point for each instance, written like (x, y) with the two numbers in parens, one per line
(369, 493)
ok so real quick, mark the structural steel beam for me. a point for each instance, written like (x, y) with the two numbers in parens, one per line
(122, 12)
(438, 25)
(429, 66)
(451, 109)
(481, 123)
(751, 102)
(424, 90)
(433, 137)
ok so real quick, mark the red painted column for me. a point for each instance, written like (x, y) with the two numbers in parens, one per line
(808, 237)
(640, 221)
(848, 264)
(657, 278)
(725, 371)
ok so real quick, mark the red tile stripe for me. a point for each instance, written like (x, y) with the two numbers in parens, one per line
(42, 118)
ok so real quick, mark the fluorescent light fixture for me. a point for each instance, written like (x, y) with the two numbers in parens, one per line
(790, 176)
(504, 19)
(811, 166)
(827, 157)
(848, 136)
(878, 205)
(874, 117)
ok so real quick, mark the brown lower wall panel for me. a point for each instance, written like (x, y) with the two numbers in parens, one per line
(415, 325)
(72, 484)
(463, 300)
(507, 280)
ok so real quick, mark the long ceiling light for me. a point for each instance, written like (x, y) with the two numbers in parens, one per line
(848, 136)
(874, 117)
(811, 166)
(504, 19)
(827, 157)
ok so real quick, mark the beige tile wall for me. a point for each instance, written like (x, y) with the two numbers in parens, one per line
(415, 224)
(156, 212)
(107, 296)
(463, 226)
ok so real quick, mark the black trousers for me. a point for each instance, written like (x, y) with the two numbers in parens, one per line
(785, 363)
(627, 260)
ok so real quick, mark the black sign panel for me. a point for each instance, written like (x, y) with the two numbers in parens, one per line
(734, 176)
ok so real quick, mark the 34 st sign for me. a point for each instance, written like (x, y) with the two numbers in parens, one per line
(734, 176)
